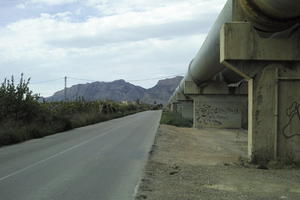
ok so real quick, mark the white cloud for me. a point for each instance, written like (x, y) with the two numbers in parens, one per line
(139, 39)
(124, 6)
(36, 35)
(45, 2)
(21, 6)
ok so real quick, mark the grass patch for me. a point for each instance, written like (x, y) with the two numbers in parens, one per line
(175, 119)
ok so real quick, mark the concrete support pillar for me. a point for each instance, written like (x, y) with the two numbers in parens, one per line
(272, 68)
(262, 108)
(173, 107)
(274, 132)
(184, 106)
(186, 109)
(215, 106)
(288, 113)
(219, 111)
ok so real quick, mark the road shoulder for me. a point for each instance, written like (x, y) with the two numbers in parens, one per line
(209, 164)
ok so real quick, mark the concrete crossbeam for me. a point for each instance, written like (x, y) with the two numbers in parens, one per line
(240, 41)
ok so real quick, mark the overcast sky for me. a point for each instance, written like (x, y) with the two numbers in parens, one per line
(101, 40)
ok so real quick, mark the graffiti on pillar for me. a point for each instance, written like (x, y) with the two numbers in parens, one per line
(213, 115)
(293, 114)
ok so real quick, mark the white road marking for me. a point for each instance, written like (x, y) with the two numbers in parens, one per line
(53, 156)
(136, 189)
(62, 152)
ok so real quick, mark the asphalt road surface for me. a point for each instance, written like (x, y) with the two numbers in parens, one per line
(99, 162)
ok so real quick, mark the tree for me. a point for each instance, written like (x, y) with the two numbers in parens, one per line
(17, 101)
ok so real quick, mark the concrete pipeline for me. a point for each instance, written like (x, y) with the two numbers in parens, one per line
(268, 16)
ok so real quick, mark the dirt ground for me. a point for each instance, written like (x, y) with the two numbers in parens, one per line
(209, 164)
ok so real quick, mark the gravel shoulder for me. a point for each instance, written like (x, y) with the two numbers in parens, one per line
(209, 164)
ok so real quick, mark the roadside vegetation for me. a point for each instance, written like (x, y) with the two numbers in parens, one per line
(175, 119)
(23, 117)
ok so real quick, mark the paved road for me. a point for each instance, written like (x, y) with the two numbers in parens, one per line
(98, 162)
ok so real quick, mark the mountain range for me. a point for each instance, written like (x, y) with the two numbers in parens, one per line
(120, 90)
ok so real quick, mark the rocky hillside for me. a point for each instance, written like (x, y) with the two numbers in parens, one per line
(162, 91)
(120, 90)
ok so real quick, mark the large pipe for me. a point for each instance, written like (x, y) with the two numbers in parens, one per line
(272, 15)
(266, 15)
(206, 63)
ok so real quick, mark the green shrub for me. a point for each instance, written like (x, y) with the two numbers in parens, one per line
(175, 119)
(17, 102)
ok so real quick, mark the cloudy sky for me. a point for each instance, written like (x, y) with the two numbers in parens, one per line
(104, 40)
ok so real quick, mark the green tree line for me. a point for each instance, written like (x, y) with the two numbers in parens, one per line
(23, 117)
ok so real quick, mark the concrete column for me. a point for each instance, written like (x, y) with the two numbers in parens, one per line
(174, 107)
(183, 105)
(272, 68)
(288, 108)
(262, 103)
(215, 106)
(275, 118)
(219, 111)
(187, 109)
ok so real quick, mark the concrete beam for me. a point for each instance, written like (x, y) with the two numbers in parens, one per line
(209, 87)
(240, 41)
(181, 97)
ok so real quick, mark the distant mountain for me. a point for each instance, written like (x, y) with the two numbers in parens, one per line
(162, 91)
(120, 90)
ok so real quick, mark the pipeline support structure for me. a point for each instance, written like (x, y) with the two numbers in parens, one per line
(247, 75)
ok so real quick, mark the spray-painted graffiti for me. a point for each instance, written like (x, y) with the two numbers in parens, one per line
(293, 114)
(214, 115)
